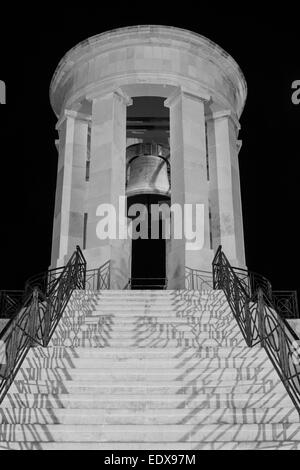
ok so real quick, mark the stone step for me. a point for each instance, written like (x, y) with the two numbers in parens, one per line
(114, 320)
(147, 321)
(141, 301)
(131, 296)
(98, 340)
(155, 307)
(188, 299)
(132, 314)
(148, 363)
(188, 296)
(122, 310)
(151, 433)
(233, 378)
(166, 446)
(147, 338)
(156, 292)
(155, 333)
(143, 353)
(187, 329)
(176, 306)
(146, 324)
(152, 375)
(205, 291)
(133, 332)
(172, 302)
(125, 389)
(162, 416)
(140, 402)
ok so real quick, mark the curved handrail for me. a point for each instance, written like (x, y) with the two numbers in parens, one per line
(10, 300)
(34, 322)
(44, 280)
(250, 280)
(47, 280)
(287, 303)
(98, 278)
(254, 280)
(261, 322)
(196, 279)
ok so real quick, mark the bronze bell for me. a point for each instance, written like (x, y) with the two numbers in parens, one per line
(148, 169)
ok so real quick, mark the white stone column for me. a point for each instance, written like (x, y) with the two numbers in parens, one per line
(225, 194)
(107, 183)
(189, 184)
(71, 185)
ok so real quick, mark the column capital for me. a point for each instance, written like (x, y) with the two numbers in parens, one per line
(223, 114)
(126, 99)
(118, 93)
(69, 113)
(181, 92)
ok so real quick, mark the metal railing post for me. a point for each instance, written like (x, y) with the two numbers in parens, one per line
(283, 350)
(33, 315)
(11, 351)
(109, 273)
(248, 323)
(260, 316)
(46, 324)
(236, 298)
(98, 279)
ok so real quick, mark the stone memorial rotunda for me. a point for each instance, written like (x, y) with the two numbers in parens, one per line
(149, 115)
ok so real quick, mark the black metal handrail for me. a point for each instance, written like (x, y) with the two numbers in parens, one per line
(252, 281)
(10, 300)
(280, 342)
(98, 278)
(261, 323)
(196, 279)
(286, 302)
(44, 280)
(35, 321)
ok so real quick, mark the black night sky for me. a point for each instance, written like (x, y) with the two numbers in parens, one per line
(267, 50)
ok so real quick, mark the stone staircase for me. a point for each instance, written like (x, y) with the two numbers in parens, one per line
(148, 370)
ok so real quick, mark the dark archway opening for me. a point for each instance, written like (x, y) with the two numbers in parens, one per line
(148, 256)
